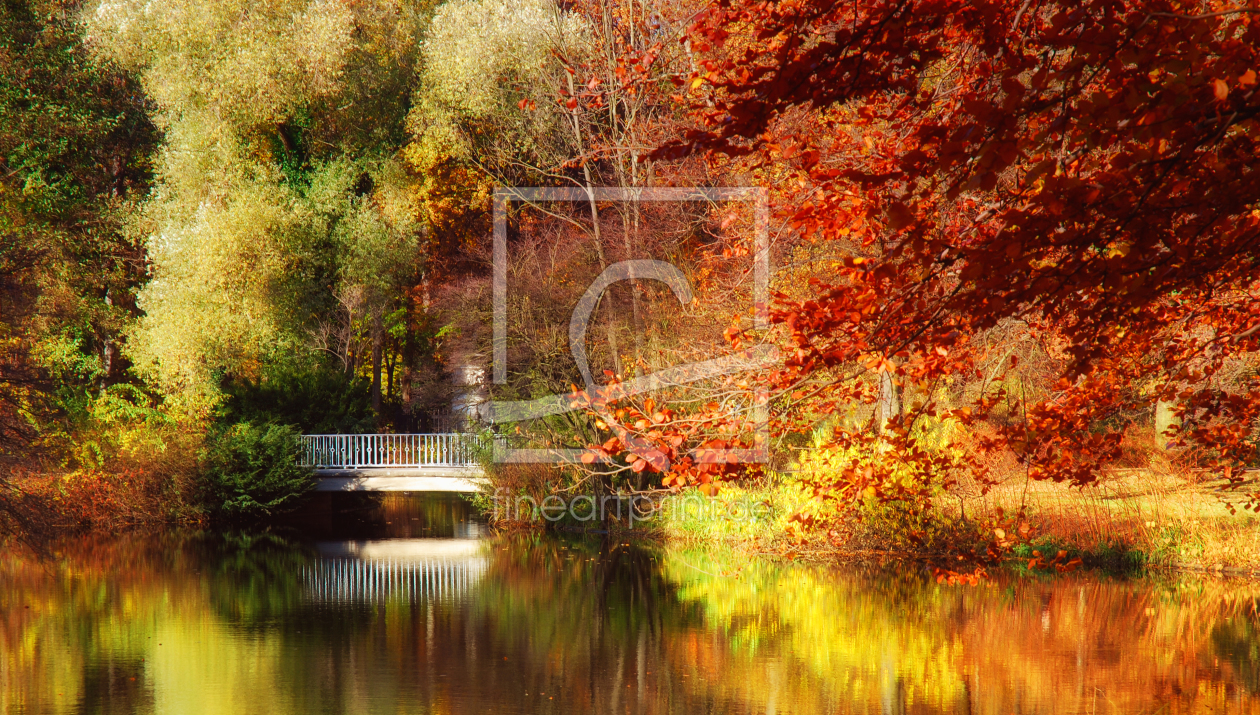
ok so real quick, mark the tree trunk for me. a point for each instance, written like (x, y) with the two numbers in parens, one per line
(410, 349)
(610, 327)
(378, 340)
(107, 351)
(1166, 422)
(389, 376)
(889, 400)
(630, 239)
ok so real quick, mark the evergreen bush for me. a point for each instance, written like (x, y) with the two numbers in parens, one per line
(252, 470)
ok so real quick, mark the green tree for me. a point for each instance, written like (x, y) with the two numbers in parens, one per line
(75, 142)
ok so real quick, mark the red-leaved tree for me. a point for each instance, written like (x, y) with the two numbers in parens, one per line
(1083, 169)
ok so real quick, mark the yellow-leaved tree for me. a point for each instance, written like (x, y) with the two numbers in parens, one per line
(281, 220)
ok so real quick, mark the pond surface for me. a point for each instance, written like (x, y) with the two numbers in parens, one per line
(405, 605)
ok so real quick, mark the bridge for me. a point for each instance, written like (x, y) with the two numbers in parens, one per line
(443, 462)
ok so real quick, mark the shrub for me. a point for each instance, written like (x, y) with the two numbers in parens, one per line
(866, 490)
(252, 470)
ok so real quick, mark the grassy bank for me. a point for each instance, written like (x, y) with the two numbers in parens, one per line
(1138, 517)
(1130, 520)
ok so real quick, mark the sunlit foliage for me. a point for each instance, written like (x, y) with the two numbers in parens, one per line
(276, 187)
(74, 145)
(492, 70)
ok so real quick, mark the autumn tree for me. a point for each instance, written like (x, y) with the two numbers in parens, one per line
(281, 214)
(574, 96)
(540, 94)
(547, 94)
(1083, 169)
(75, 143)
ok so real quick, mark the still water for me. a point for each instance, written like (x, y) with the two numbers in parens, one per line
(404, 604)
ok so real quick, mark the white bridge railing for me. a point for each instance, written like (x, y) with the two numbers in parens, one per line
(357, 451)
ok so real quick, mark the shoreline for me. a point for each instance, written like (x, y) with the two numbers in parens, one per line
(1132, 521)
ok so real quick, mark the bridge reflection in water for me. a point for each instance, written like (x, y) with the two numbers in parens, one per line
(408, 569)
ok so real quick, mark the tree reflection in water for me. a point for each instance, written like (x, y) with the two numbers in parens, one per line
(204, 623)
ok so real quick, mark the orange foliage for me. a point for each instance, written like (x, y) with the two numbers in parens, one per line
(1084, 169)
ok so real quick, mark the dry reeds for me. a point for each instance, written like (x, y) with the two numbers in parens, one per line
(1163, 512)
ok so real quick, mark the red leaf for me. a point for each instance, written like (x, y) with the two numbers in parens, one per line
(1220, 89)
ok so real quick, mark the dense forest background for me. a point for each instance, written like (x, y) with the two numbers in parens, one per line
(227, 225)
(1012, 240)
